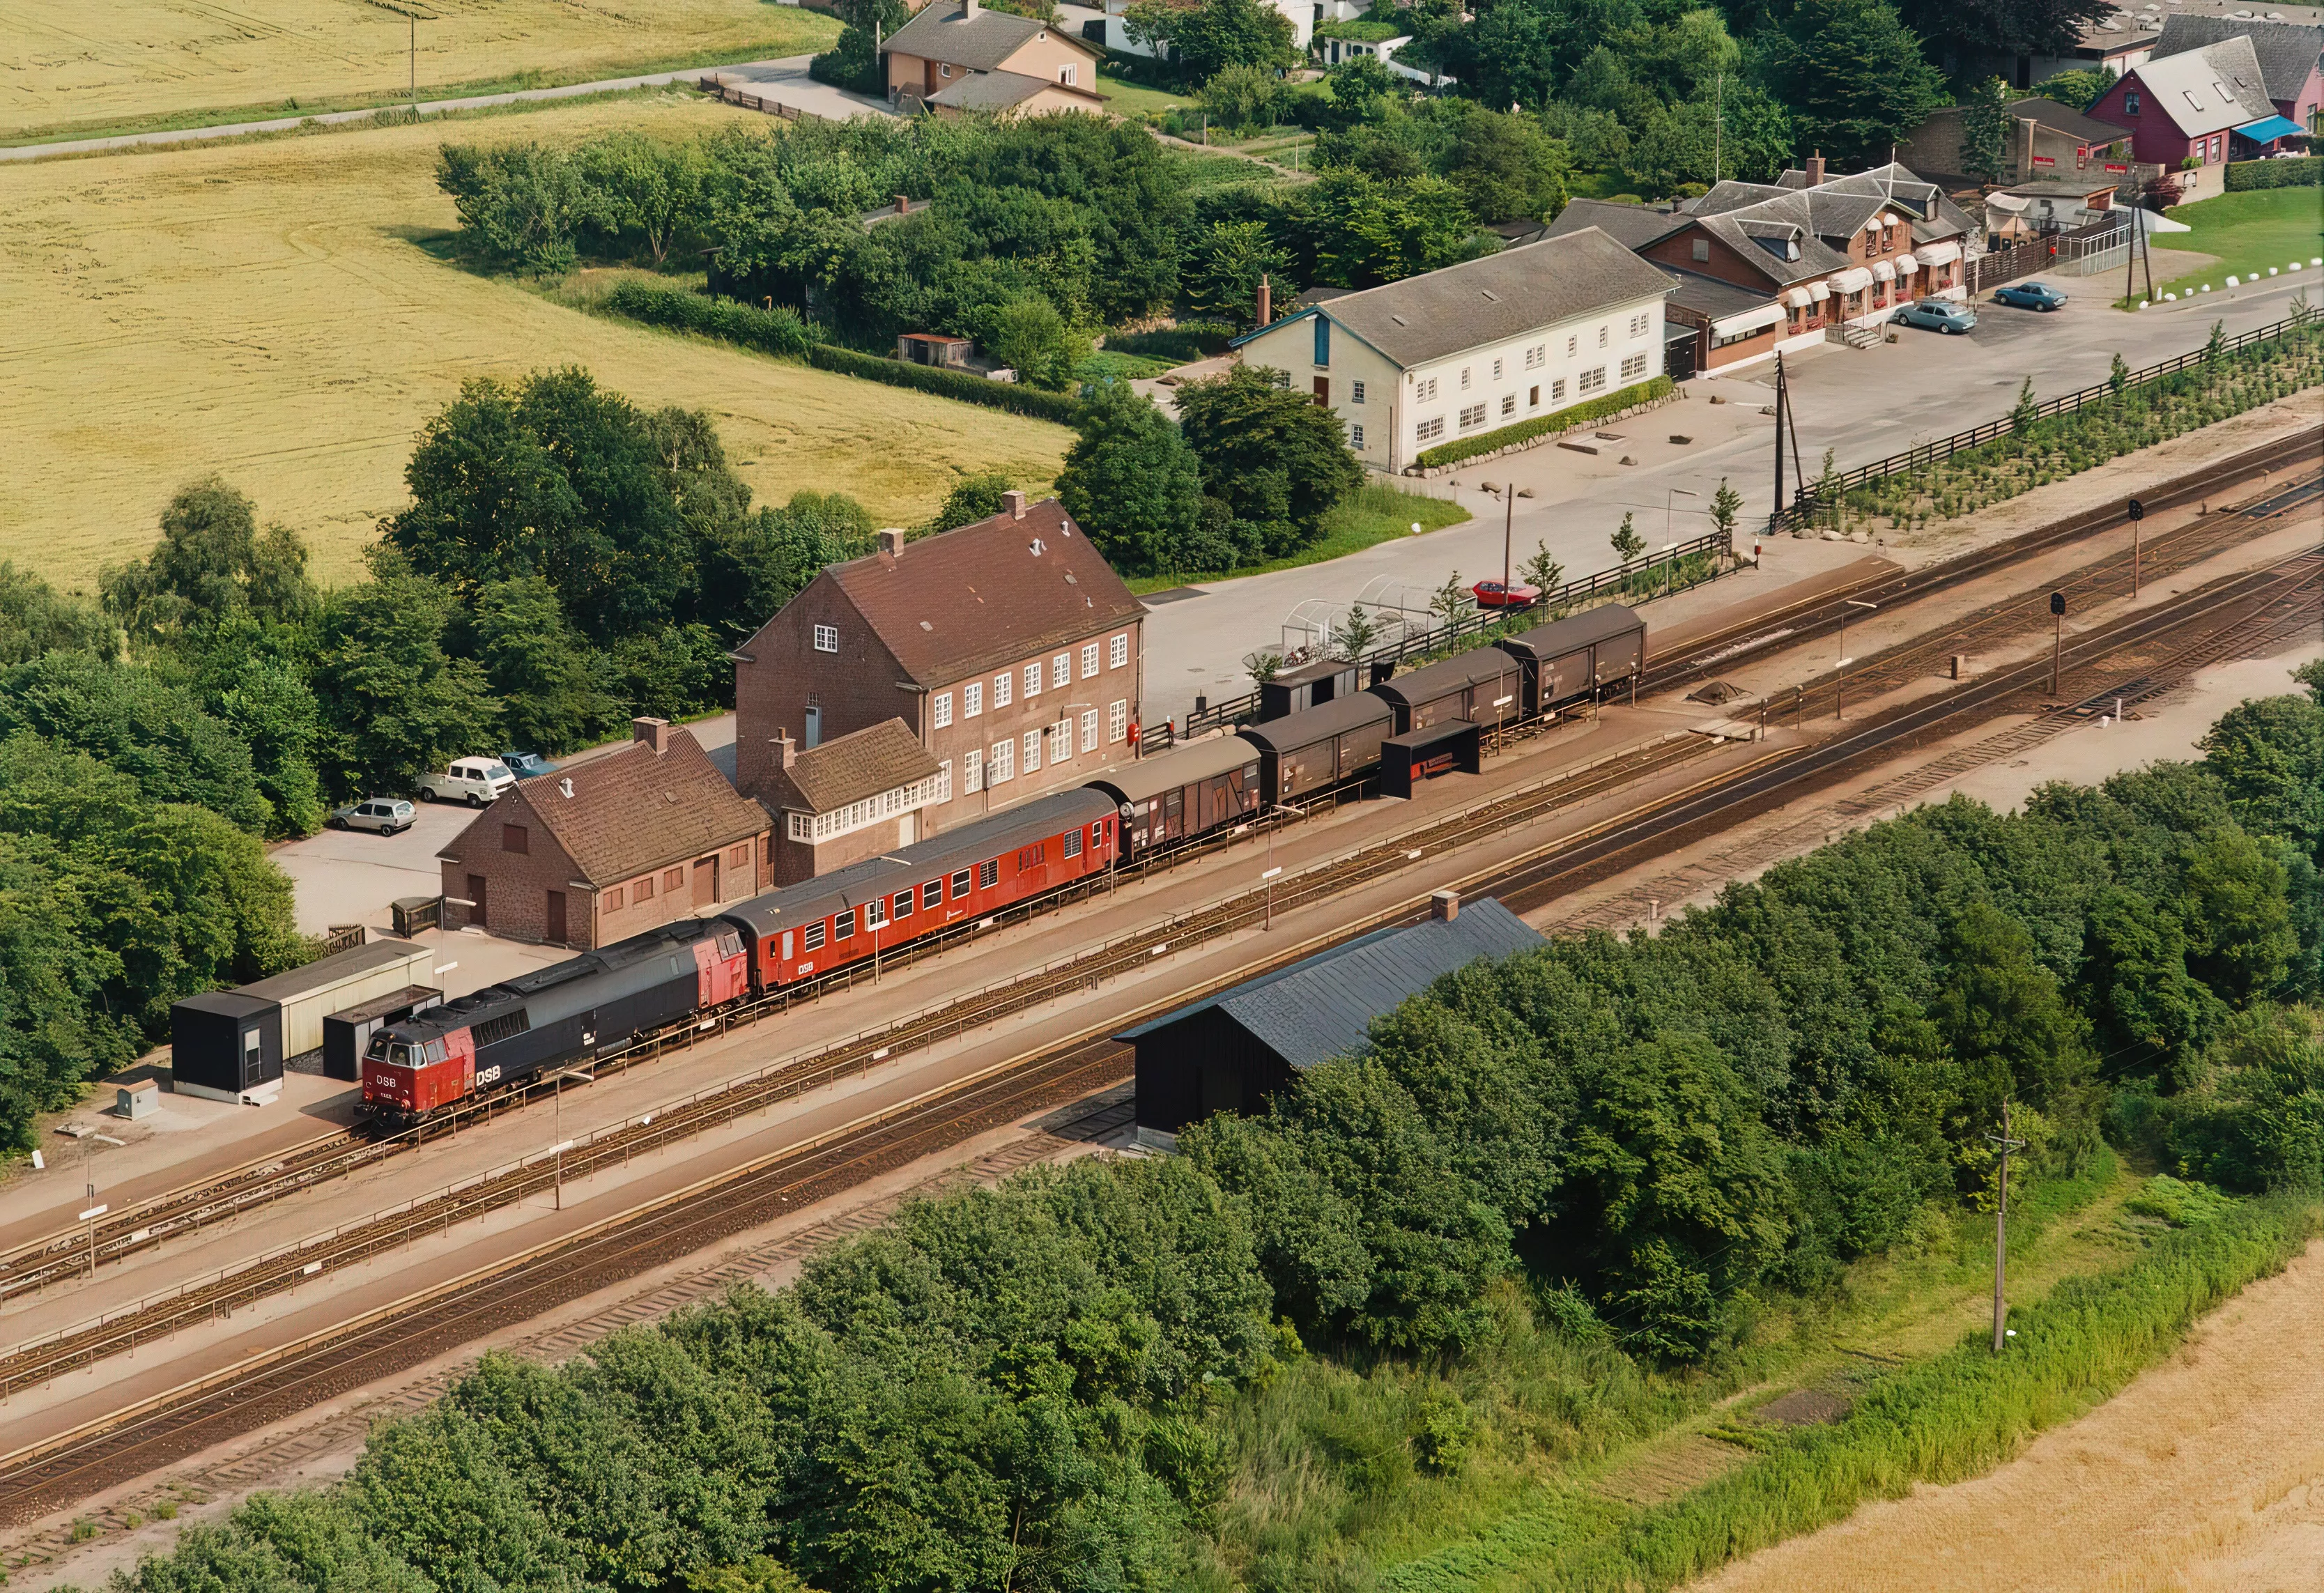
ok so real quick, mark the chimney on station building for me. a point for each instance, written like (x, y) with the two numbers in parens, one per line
(1266, 300)
(653, 733)
(1444, 905)
(1815, 169)
(891, 542)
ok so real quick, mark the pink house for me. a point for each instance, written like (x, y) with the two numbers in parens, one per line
(2186, 111)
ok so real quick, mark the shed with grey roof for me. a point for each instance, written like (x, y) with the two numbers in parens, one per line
(1232, 1051)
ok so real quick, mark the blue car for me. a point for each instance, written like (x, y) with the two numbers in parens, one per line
(525, 766)
(2030, 296)
(1938, 315)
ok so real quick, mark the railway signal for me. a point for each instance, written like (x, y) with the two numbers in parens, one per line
(2057, 637)
(2138, 514)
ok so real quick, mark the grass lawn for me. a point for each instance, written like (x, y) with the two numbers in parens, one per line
(278, 312)
(1377, 513)
(70, 70)
(1125, 98)
(2245, 233)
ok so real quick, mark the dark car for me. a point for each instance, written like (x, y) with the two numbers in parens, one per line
(1938, 315)
(525, 765)
(1492, 595)
(2030, 296)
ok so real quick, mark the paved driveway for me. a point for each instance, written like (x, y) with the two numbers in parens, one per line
(1862, 404)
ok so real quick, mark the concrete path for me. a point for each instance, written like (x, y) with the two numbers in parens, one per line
(785, 79)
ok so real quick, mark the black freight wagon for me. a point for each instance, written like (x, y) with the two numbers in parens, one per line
(1191, 791)
(1484, 685)
(1311, 686)
(1575, 657)
(1303, 753)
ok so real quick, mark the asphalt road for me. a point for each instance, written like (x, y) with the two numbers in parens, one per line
(1863, 404)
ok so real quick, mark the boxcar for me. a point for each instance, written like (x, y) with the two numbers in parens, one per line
(1311, 686)
(1303, 753)
(1191, 791)
(1484, 685)
(883, 902)
(1573, 658)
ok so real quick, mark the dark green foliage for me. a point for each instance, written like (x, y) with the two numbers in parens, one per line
(777, 331)
(853, 62)
(395, 700)
(1852, 75)
(520, 204)
(2080, 90)
(212, 566)
(972, 498)
(1986, 130)
(308, 1542)
(1132, 483)
(540, 671)
(125, 716)
(35, 618)
(1210, 37)
(1276, 459)
(2256, 1119)
(1189, 340)
(1062, 408)
(2269, 757)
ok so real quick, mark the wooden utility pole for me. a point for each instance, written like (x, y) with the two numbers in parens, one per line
(1779, 442)
(2005, 1144)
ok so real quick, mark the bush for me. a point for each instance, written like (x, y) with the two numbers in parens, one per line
(1061, 408)
(2244, 175)
(1597, 409)
(1189, 340)
(777, 331)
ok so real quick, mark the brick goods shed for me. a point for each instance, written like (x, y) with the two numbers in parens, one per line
(608, 847)
(1232, 1051)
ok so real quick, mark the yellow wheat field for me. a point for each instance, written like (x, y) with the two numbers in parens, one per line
(266, 311)
(70, 62)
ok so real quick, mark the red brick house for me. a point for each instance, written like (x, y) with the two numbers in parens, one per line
(608, 847)
(1009, 649)
(2184, 112)
(849, 799)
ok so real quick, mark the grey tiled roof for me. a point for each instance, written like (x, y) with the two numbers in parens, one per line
(2187, 88)
(1323, 1006)
(1633, 226)
(2066, 119)
(997, 91)
(1502, 296)
(1756, 219)
(2287, 52)
(981, 42)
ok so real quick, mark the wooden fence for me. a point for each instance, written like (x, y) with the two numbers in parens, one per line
(735, 94)
(1805, 502)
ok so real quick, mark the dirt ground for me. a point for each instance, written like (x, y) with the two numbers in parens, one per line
(2204, 1476)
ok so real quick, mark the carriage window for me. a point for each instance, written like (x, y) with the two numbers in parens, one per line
(988, 873)
(932, 894)
(1074, 842)
(904, 902)
(814, 937)
(875, 912)
(960, 885)
(844, 926)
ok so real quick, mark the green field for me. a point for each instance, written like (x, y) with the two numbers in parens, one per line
(2245, 233)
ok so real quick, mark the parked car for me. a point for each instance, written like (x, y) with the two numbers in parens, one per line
(1492, 595)
(1938, 315)
(526, 765)
(472, 781)
(385, 816)
(2028, 296)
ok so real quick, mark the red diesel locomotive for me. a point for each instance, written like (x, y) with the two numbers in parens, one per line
(505, 1035)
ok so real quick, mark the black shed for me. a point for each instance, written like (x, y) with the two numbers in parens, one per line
(1231, 1051)
(225, 1044)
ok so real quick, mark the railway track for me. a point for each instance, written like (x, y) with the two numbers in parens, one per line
(67, 1254)
(2228, 617)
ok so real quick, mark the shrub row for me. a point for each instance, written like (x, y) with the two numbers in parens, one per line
(777, 331)
(1597, 409)
(2306, 172)
(1189, 340)
(1014, 397)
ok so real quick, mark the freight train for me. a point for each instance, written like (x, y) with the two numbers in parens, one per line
(509, 1033)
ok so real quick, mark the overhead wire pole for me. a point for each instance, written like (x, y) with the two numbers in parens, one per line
(2005, 1144)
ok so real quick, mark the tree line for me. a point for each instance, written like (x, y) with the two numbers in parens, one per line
(1630, 1146)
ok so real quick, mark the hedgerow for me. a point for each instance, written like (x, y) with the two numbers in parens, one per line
(1597, 409)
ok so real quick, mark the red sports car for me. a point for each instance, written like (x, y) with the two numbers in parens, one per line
(1492, 595)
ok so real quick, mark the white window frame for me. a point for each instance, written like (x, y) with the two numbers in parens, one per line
(875, 913)
(1032, 681)
(1601, 335)
(1508, 403)
(1573, 347)
(1638, 326)
(1031, 756)
(1464, 379)
(1088, 660)
(1117, 652)
(1089, 729)
(941, 716)
(826, 639)
(972, 771)
(1556, 393)
(1471, 417)
(1427, 431)
(1065, 75)
(1061, 742)
(972, 699)
(1634, 368)
(1356, 393)
(1356, 437)
(1497, 370)
(1000, 764)
(1004, 690)
(1590, 382)
(1117, 720)
(1061, 671)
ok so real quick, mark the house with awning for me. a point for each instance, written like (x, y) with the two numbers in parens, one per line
(2192, 113)
(1765, 267)
(2291, 55)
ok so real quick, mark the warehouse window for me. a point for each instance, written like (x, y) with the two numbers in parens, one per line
(1060, 741)
(1032, 680)
(1000, 764)
(1032, 751)
(815, 935)
(643, 891)
(1464, 379)
(1634, 367)
(1061, 671)
(1355, 393)
(972, 700)
(1601, 336)
(1430, 429)
(1535, 355)
(1591, 382)
(1117, 651)
(1638, 325)
(610, 901)
(672, 879)
(1509, 404)
(517, 839)
(1471, 417)
(1701, 250)
(1557, 391)
(1356, 439)
(944, 709)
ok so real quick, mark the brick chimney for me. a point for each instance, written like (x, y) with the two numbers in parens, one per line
(786, 749)
(653, 733)
(1266, 300)
(903, 203)
(891, 542)
(1012, 504)
(1815, 169)
(1444, 905)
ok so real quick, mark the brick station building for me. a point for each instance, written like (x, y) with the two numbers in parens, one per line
(608, 847)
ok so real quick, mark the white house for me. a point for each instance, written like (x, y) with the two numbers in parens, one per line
(1476, 346)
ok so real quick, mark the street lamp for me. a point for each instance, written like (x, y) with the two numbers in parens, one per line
(1509, 493)
(1840, 682)
(1268, 877)
(88, 1178)
(557, 1120)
